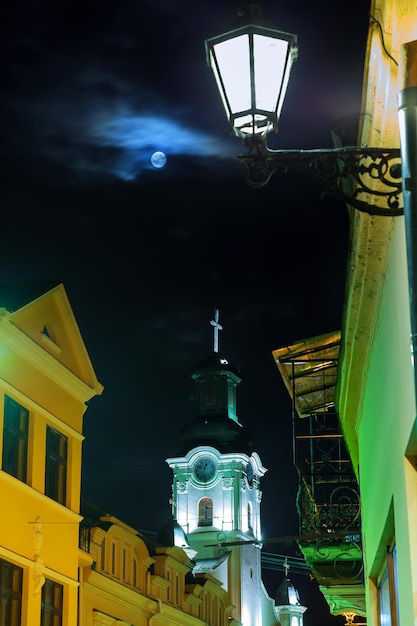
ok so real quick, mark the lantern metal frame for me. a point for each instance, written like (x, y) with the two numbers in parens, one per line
(368, 179)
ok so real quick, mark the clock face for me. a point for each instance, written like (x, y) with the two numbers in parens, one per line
(249, 473)
(204, 469)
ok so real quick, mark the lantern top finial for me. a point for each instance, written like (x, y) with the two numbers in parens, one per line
(248, 10)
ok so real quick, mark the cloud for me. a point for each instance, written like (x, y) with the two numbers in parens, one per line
(94, 124)
(137, 135)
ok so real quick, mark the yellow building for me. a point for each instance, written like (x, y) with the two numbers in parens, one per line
(128, 578)
(58, 567)
(46, 378)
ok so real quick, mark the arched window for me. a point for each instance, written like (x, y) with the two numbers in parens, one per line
(250, 526)
(205, 512)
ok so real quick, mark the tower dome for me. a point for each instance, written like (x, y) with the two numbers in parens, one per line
(287, 605)
(287, 594)
(216, 423)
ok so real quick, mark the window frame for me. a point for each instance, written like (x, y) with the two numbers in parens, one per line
(52, 613)
(15, 439)
(387, 591)
(205, 512)
(11, 589)
(56, 465)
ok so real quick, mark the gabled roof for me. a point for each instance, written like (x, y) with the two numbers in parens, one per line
(42, 312)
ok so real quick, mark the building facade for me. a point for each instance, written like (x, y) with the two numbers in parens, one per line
(375, 394)
(46, 379)
(376, 398)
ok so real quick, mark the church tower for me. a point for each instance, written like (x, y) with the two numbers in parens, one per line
(217, 490)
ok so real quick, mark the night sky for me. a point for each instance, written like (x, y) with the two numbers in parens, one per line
(88, 92)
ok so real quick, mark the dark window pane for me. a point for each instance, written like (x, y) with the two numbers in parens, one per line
(56, 465)
(51, 605)
(205, 512)
(10, 594)
(15, 439)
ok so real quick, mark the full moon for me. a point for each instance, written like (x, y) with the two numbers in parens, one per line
(158, 159)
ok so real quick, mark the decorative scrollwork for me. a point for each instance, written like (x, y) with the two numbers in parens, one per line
(344, 555)
(350, 174)
(339, 511)
(332, 530)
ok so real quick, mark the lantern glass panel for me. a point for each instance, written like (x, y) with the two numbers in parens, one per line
(270, 57)
(233, 61)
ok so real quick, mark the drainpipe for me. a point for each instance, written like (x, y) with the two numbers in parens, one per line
(158, 600)
(407, 114)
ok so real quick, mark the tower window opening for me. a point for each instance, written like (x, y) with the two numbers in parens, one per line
(250, 523)
(210, 394)
(205, 512)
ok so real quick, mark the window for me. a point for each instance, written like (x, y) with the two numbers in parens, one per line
(135, 572)
(387, 592)
(205, 512)
(56, 465)
(84, 537)
(168, 577)
(124, 564)
(210, 394)
(103, 556)
(15, 439)
(384, 600)
(114, 564)
(51, 604)
(10, 594)
(231, 396)
(177, 588)
(250, 526)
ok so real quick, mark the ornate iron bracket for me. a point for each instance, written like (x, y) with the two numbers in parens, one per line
(349, 174)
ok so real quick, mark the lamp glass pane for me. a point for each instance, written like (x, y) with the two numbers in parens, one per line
(270, 56)
(233, 60)
(219, 84)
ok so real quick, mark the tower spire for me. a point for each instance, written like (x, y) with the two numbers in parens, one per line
(216, 328)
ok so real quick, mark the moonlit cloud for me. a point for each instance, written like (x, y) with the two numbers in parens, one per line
(137, 135)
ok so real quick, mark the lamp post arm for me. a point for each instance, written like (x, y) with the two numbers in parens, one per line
(349, 174)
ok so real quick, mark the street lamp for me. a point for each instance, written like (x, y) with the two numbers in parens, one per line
(252, 66)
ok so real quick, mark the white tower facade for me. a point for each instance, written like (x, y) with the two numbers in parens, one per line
(216, 491)
(217, 503)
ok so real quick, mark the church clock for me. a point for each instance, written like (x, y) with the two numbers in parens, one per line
(204, 469)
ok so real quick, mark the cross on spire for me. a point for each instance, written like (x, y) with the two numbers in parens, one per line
(216, 328)
(286, 567)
